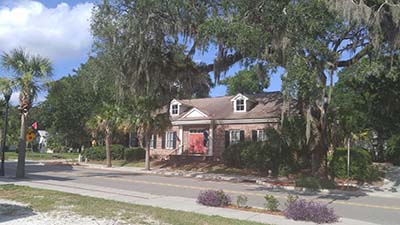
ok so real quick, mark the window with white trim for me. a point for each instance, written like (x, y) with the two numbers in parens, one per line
(174, 109)
(169, 140)
(240, 105)
(152, 141)
(261, 135)
(234, 136)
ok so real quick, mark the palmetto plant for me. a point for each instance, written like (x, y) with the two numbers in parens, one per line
(29, 74)
(107, 120)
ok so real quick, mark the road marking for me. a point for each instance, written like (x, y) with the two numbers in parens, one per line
(236, 192)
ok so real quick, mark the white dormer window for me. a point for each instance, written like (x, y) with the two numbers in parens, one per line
(174, 109)
(240, 103)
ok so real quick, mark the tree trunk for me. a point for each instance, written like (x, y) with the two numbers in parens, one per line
(22, 147)
(147, 159)
(318, 117)
(108, 152)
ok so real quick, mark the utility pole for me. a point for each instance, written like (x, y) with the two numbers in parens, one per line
(348, 161)
(7, 95)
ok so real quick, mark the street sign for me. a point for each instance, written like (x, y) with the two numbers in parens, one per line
(30, 135)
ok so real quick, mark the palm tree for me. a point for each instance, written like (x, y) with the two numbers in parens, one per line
(107, 120)
(149, 119)
(29, 75)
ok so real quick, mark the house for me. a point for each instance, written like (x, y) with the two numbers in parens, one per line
(42, 140)
(206, 126)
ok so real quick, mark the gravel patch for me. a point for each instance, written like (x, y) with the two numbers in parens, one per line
(14, 213)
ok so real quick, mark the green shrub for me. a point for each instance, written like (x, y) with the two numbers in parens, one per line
(134, 154)
(290, 199)
(260, 156)
(393, 150)
(271, 203)
(241, 201)
(314, 183)
(99, 152)
(361, 167)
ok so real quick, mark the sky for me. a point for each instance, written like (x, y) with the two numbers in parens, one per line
(60, 30)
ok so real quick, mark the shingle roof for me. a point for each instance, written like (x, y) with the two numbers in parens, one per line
(267, 105)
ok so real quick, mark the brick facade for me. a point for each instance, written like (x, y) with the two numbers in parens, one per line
(218, 142)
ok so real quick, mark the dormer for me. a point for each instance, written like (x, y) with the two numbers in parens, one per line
(241, 103)
(175, 108)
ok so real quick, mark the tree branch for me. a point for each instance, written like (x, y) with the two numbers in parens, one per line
(355, 58)
(229, 60)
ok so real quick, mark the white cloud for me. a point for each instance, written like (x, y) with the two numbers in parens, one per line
(61, 33)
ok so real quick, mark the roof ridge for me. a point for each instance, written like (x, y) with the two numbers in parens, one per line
(225, 96)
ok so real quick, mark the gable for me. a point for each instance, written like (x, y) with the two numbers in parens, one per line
(194, 113)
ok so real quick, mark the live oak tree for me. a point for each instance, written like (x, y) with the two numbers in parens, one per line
(367, 97)
(30, 73)
(142, 41)
(153, 44)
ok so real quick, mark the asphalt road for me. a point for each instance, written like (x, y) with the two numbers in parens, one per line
(379, 210)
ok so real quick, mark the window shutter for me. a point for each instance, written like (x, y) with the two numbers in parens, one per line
(254, 135)
(155, 141)
(174, 141)
(227, 138)
(163, 141)
(241, 135)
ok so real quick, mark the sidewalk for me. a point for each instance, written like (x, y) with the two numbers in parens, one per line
(167, 202)
(385, 191)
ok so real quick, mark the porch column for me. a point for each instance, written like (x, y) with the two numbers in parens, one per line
(211, 139)
(180, 150)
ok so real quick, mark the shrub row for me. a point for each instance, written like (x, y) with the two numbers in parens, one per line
(361, 167)
(296, 209)
(118, 152)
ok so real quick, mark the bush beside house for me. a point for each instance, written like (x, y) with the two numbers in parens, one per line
(118, 152)
(271, 154)
(361, 167)
(393, 150)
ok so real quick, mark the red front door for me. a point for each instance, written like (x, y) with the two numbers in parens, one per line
(196, 145)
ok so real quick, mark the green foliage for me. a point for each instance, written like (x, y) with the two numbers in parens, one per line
(98, 153)
(271, 203)
(361, 167)
(367, 95)
(393, 150)
(134, 154)
(314, 183)
(290, 199)
(72, 100)
(271, 154)
(118, 152)
(246, 82)
(241, 201)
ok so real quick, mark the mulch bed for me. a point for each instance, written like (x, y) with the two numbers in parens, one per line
(256, 210)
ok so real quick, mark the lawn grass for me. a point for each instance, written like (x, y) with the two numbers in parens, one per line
(42, 156)
(45, 200)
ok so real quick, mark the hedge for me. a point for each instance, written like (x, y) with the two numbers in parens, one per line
(361, 167)
(118, 152)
